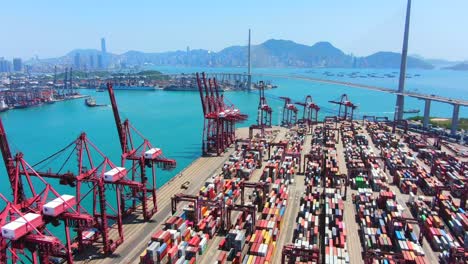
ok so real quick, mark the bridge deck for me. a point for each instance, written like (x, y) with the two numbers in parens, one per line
(436, 98)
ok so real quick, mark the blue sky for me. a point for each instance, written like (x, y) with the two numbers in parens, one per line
(362, 27)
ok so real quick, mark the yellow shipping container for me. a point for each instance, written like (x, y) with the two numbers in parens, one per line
(251, 258)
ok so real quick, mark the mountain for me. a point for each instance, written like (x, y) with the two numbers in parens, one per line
(271, 53)
(391, 60)
(437, 63)
(458, 67)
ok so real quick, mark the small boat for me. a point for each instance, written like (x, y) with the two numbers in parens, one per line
(20, 105)
(91, 102)
(3, 105)
(51, 100)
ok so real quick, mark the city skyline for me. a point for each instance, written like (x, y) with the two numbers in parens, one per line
(361, 27)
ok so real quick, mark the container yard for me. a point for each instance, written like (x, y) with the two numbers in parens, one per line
(308, 191)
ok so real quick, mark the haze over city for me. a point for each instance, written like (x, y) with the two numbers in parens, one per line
(155, 26)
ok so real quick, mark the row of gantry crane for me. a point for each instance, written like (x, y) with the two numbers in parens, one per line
(290, 111)
(105, 194)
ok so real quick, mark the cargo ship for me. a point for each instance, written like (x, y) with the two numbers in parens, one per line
(102, 88)
(412, 111)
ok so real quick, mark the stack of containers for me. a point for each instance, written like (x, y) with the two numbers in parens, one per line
(403, 236)
(262, 242)
(306, 233)
(335, 229)
(456, 220)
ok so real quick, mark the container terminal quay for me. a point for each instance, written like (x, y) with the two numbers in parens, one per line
(337, 190)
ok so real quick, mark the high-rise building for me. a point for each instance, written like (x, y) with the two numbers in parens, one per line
(5, 66)
(188, 60)
(91, 61)
(104, 53)
(77, 62)
(99, 61)
(17, 64)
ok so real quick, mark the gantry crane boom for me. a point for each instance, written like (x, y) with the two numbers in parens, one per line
(12, 170)
(118, 122)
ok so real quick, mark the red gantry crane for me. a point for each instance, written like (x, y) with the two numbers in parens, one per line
(289, 112)
(263, 113)
(346, 109)
(140, 156)
(93, 183)
(310, 112)
(98, 184)
(290, 253)
(198, 202)
(219, 118)
(24, 220)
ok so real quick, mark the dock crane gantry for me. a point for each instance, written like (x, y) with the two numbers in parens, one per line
(219, 118)
(140, 157)
(264, 112)
(91, 187)
(197, 203)
(289, 112)
(346, 108)
(310, 112)
(290, 253)
(28, 203)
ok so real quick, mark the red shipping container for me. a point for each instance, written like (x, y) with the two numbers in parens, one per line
(156, 235)
(222, 257)
(222, 243)
(195, 241)
(192, 260)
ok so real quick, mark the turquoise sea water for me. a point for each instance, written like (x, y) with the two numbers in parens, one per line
(173, 120)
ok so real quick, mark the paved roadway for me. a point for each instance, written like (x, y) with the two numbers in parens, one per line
(353, 243)
(289, 219)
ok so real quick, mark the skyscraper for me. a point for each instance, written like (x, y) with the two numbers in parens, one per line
(188, 60)
(5, 65)
(77, 62)
(91, 61)
(103, 53)
(17, 65)
(99, 61)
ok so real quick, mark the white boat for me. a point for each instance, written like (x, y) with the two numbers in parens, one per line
(3, 105)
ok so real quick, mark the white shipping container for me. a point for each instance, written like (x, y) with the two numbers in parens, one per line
(115, 174)
(59, 205)
(21, 226)
(151, 250)
(152, 153)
